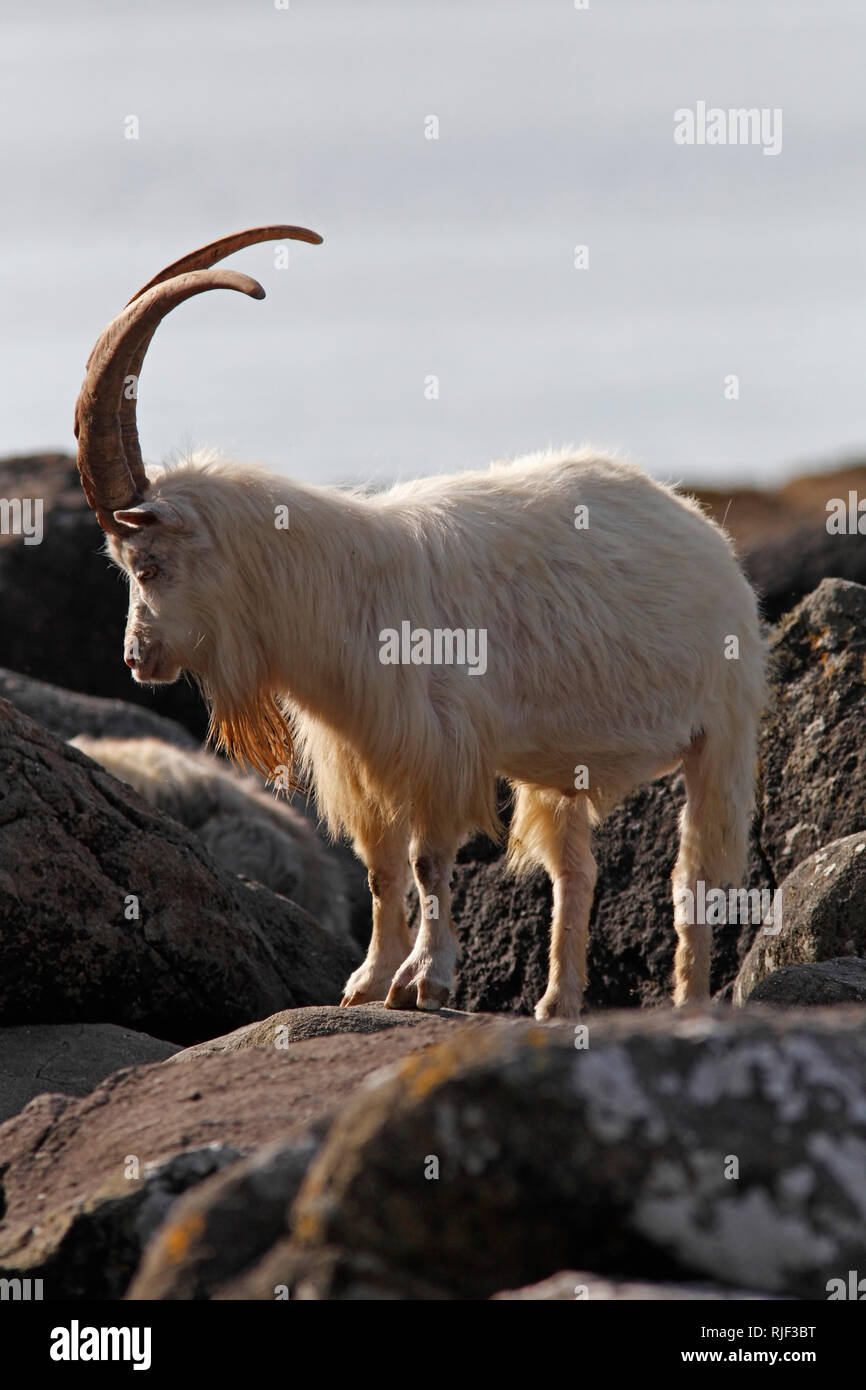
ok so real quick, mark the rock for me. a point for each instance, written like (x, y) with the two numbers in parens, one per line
(68, 714)
(327, 1273)
(230, 1222)
(839, 981)
(67, 1058)
(822, 917)
(716, 1146)
(812, 750)
(64, 604)
(572, 1284)
(81, 855)
(247, 830)
(297, 1025)
(224, 1225)
(70, 1202)
(813, 790)
(785, 569)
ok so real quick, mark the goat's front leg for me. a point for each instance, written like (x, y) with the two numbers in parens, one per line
(425, 978)
(387, 864)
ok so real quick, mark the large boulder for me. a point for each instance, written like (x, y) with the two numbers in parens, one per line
(812, 790)
(839, 981)
(247, 830)
(63, 608)
(67, 1058)
(822, 916)
(722, 1147)
(112, 912)
(86, 1183)
(785, 569)
(68, 714)
(813, 754)
(223, 1226)
(291, 1026)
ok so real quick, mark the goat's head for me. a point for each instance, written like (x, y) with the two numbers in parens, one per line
(167, 620)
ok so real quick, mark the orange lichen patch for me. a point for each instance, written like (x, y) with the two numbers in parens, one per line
(179, 1237)
(422, 1072)
(307, 1227)
(816, 641)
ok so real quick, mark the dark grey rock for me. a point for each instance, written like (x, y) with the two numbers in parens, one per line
(722, 1147)
(69, 714)
(68, 1059)
(112, 912)
(840, 981)
(823, 915)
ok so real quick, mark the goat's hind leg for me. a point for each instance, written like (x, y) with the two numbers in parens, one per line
(554, 830)
(714, 829)
(387, 861)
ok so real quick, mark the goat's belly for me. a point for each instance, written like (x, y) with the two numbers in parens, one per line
(586, 768)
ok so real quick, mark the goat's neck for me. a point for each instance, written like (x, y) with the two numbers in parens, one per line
(328, 570)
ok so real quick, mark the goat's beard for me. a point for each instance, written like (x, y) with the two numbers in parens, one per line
(252, 731)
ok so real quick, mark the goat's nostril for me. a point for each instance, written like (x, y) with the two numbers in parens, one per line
(130, 659)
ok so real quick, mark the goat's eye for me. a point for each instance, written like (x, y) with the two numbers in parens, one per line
(146, 572)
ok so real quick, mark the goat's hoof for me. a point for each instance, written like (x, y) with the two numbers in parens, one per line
(431, 996)
(369, 984)
(557, 1006)
(402, 996)
(417, 994)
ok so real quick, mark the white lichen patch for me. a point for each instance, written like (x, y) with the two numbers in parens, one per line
(797, 840)
(615, 1098)
(796, 1184)
(826, 1075)
(753, 1067)
(747, 1241)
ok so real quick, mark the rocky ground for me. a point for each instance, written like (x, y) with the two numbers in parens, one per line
(186, 1114)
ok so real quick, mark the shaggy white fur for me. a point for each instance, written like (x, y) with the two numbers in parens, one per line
(621, 640)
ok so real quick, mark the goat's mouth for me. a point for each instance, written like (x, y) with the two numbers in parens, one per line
(155, 667)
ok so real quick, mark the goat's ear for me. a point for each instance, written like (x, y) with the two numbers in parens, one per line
(149, 514)
(139, 516)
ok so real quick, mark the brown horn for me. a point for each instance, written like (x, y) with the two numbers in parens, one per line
(109, 483)
(201, 259)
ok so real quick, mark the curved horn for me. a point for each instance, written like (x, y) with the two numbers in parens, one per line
(201, 259)
(206, 256)
(109, 483)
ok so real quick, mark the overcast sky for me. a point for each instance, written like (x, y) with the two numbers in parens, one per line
(452, 257)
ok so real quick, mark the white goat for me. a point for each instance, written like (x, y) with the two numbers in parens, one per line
(245, 830)
(621, 641)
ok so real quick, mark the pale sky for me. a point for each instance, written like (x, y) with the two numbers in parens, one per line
(451, 257)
